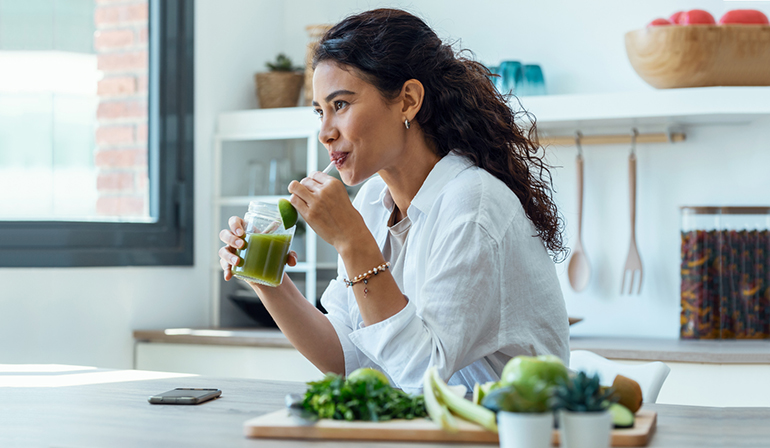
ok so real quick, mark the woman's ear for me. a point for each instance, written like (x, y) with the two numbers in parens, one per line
(412, 94)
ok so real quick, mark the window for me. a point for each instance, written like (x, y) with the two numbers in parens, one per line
(96, 133)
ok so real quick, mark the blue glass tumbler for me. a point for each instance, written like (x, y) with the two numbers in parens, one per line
(496, 80)
(533, 82)
(511, 77)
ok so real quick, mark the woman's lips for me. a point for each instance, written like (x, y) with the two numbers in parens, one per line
(338, 157)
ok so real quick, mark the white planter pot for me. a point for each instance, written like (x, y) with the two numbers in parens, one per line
(525, 430)
(585, 429)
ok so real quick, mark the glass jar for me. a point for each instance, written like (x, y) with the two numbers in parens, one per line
(725, 268)
(263, 258)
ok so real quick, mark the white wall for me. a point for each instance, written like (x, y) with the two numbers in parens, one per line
(579, 44)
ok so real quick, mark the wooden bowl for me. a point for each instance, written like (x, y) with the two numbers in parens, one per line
(675, 56)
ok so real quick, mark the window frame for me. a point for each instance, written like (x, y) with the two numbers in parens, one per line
(169, 240)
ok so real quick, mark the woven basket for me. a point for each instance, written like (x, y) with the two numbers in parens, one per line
(278, 89)
(315, 32)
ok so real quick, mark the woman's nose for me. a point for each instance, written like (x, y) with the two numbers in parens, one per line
(328, 132)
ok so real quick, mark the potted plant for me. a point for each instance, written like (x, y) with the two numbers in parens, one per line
(280, 86)
(582, 408)
(524, 417)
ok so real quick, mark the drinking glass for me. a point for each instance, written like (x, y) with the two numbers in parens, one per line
(263, 258)
(511, 73)
(533, 82)
(496, 80)
(257, 178)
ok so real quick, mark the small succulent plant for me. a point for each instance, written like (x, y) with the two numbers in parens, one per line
(282, 64)
(519, 398)
(582, 393)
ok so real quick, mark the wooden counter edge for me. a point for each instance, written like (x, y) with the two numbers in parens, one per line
(236, 341)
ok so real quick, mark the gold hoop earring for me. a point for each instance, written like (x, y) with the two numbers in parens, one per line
(406, 123)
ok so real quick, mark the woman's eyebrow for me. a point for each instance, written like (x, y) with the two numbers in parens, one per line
(333, 95)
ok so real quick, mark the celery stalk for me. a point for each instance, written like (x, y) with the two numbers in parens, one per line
(437, 411)
(461, 406)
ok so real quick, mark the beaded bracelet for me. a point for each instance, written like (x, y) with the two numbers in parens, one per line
(367, 275)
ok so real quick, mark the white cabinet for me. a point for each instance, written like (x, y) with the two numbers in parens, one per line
(264, 363)
(256, 154)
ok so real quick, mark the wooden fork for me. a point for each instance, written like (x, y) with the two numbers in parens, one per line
(633, 262)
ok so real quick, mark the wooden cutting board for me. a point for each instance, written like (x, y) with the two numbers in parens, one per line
(281, 425)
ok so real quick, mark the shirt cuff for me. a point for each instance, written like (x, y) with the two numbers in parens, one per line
(348, 349)
(376, 341)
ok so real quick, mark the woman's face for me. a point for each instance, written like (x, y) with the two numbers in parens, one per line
(362, 132)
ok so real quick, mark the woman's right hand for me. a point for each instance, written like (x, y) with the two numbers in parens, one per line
(233, 239)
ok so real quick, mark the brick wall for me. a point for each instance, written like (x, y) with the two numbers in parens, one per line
(121, 135)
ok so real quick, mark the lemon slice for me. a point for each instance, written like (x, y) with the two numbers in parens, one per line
(288, 213)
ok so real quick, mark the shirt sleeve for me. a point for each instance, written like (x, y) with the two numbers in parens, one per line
(458, 318)
(336, 301)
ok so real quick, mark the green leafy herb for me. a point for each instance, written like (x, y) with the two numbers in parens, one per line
(365, 399)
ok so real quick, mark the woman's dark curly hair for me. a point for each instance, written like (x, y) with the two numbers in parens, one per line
(462, 110)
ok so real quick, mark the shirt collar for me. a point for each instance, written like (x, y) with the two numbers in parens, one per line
(445, 170)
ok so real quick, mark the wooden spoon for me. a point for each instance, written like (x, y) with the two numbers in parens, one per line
(579, 269)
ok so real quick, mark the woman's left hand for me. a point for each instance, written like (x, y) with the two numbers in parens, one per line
(324, 203)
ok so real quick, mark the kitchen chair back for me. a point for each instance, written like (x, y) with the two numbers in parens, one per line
(650, 376)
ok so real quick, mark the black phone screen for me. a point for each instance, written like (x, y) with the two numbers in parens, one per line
(182, 395)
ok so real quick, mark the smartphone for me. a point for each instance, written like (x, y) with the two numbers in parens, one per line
(184, 395)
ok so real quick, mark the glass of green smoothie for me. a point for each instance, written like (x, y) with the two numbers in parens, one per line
(264, 256)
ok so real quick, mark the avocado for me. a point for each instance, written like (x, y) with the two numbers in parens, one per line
(621, 416)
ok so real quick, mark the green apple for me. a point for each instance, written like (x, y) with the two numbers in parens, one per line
(527, 370)
(367, 374)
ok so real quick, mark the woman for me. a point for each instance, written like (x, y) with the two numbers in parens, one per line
(443, 257)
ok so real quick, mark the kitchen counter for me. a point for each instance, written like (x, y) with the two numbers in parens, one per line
(677, 350)
(49, 405)
(641, 349)
(239, 337)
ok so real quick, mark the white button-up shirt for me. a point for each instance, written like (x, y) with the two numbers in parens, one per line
(480, 285)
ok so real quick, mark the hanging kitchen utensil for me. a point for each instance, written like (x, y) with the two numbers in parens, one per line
(633, 262)
(579, 269)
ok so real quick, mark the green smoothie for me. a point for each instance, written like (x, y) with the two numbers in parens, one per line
(264, 258)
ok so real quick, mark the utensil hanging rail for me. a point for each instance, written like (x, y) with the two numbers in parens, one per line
(611, 139)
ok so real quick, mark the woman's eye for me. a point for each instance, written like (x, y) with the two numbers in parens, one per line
(320, 113)
(339, 104)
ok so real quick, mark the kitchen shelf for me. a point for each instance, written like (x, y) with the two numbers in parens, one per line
(654, 108)
(256, 135)
(245, 200)
(299, 267)
(693, 106)
(267, 124)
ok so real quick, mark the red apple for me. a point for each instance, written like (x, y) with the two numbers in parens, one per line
(744, 16)
(675, 17)
(696, 17)
(659, 22)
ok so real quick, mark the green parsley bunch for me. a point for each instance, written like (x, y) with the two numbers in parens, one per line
(367, 398)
